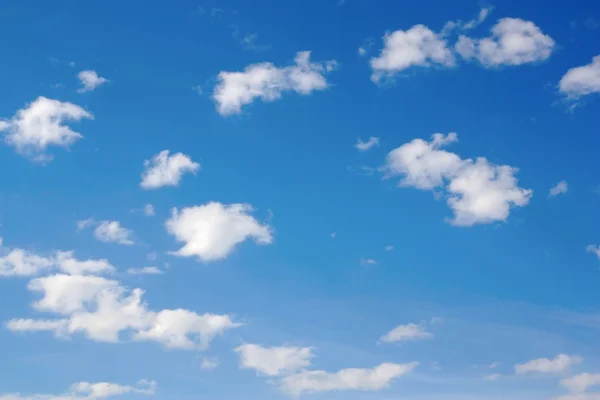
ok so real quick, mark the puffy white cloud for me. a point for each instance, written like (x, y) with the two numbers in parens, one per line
(144, 271)
(513, 42)
(274, 361)
(268, 82)
(594, 249)
(560, 188)
(211, 231)
(89, 391)
(166, 170)
(108, 231)
(41, 124)
(406, 332)
(580, 383)
(477, 191)
(364, 146)
(417, 46)
(581, 81)
(20, 262)
(373, 379)
(90, 80)
(103, 309)
(559, 364)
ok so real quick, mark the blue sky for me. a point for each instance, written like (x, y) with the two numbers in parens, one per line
(319, 199)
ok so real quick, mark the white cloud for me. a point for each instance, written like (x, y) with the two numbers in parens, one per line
(20, 262)
(389, 248)
(513, 42)
(373, 379)
(113, 232)
(164, 170)
(90, 81)
(41, 124)
(212, 231)
(151, 256)
(494, 365)
(208, 363)
(418, 46)
(368, 261)
(364, 146)
(492, 377)
(477, 191)
(580, 383)
(268, 82)
(560, 188)
(103, 310)
(406, 332)
(89, 391)
(560, 364)
(144, 271)
(581, 81)
(274, 361)
(149, 210)
(579, 396)
(594, 249)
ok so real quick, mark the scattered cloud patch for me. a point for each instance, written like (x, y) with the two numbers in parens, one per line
(211, 231)
(513, 42)
(560, 188)
(558, 365)
(267, 82)
(478, 192)
(144, 271)
(274, 361)
(368, 261)
(580, 383)
(581, 81)
(108, 231)
(417, 46)
(389, 248)
(166, 170)
(89, 391)
(149, 210)
(42, 124)
(364, 379)
(209, 363)
(594, 249)
(492, 377)
(408, 332)
(90, 81)
(365, 146)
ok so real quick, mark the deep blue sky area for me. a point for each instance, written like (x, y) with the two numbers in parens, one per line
(304, 233)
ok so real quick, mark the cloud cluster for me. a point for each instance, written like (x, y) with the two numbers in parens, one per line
(478, 191)
(90, 391)
(84, 301)
(268, 82)
(211, 231)
(290, 365)
(166, 170)
(42, 124)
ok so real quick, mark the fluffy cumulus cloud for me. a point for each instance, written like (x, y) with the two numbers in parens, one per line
(558, 365)
(561, 187)
(42, 124)
(417, 46)
(90, 80)
(369, 144)
(477, 191)
(211, 231)
(268, 82)
(581, 81)
(406, 332)
(166, 170)
(108, 231)
(274, 361)
(89, 391)
(365, 379)
(20, 262)
(580, 383)
(103, 310)
(513, 42)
